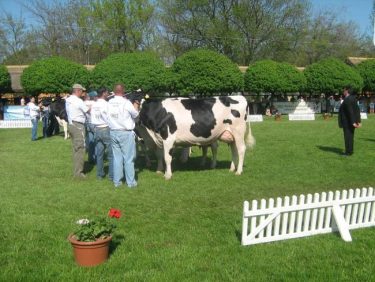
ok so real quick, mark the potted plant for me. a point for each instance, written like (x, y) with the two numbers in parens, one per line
(91, 239)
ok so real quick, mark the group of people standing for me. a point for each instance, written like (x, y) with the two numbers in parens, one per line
(113, 124)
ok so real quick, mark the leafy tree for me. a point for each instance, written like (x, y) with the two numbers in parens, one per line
(53, 75)
(5, 84)
(331, 76)
(367, 71)
(268, 76)
(124, 25)
(12, 36)
(241, 30)
(136, 70)
(206, 72)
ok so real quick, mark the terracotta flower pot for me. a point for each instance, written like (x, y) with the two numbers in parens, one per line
(90, 253)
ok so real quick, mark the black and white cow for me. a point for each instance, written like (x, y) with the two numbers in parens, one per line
(58, 111)
(187, 122)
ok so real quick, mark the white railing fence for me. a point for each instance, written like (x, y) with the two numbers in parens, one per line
(18, 123)
(294, 217)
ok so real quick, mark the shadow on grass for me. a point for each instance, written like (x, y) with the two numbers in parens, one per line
(88, 167)
(369, 139)
(116, 241)
(334, 150)
(238, 235)
(193, 164)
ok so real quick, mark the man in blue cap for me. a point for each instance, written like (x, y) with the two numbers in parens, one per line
(99, 118)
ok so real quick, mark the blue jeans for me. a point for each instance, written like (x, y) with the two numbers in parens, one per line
(102, 143)
(90, 142)
(45, 126)
(123, 148)
(34, 129)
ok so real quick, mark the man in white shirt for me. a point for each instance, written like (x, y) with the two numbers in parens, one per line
(99, 119)
(76, 111)
(121, 116)
(33, 111)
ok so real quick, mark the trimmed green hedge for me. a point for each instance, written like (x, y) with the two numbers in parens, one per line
(367, 71)
(268, 76)
(205, 72)
(53, 75)
(5, 83)
(331, 76)
(136, 70)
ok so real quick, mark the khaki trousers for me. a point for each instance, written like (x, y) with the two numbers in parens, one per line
(77, 133)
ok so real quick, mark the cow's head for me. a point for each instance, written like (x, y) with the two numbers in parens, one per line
(137, 96)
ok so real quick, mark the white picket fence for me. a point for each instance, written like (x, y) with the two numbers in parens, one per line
(294, 217)
(18, 123)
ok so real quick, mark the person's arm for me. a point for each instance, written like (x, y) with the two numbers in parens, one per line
(131, 108)
(104, 113)
(84, 108)
(353, 111)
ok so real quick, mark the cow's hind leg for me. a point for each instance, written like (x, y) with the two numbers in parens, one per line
(234, 156)
(241, 148)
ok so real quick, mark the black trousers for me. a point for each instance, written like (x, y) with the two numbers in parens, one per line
(349, 139)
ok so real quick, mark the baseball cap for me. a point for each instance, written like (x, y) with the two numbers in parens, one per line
(78, 86)
(93, 93)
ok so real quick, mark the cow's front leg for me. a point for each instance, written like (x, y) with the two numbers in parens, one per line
(204, 155)
(168, 161)
(159, 157)
(65, 126)
(214, 147)
(185, 153)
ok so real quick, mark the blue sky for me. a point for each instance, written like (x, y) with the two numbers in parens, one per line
(357, 11)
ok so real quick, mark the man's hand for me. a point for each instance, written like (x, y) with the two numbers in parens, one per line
(357, 125)
(136, 105)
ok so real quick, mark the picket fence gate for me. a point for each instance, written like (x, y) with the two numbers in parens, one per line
(19, 123)
(302, 216)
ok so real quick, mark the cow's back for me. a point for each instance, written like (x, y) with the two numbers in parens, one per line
(194, 121)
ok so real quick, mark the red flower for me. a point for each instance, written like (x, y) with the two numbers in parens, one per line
(114, 213)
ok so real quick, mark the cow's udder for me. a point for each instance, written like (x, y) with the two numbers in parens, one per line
(226, 137)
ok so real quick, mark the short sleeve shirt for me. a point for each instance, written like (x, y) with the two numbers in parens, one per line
(76, 109)
(121, 114)
(99, 113)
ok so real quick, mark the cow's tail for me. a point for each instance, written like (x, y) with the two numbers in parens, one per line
(249, 138)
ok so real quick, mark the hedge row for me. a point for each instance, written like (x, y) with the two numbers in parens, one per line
(4, 79)
(200, 72)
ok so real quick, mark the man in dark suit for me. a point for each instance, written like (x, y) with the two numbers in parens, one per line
(349, 119)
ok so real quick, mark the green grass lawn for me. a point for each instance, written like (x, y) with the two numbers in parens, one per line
(187, 228)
